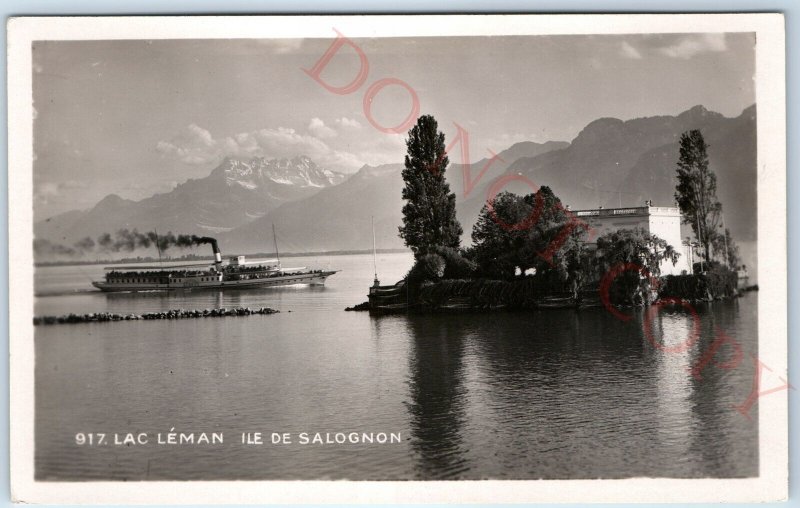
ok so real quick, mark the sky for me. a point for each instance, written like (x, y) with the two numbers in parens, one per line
(136, 118)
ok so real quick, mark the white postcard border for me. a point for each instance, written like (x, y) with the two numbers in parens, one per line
(772, 483)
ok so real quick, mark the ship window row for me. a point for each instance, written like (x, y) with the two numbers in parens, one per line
(139, 281)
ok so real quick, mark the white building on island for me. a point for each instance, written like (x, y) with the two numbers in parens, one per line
(662, 221)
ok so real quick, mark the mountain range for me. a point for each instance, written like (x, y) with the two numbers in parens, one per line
(233, 194)
(339, 217)
(609, 163)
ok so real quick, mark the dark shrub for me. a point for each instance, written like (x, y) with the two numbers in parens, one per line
(629, 288)
(428, 268)
(456, 266)
(721, 281)
(717, 282)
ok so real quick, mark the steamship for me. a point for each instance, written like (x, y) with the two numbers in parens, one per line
(236, 273)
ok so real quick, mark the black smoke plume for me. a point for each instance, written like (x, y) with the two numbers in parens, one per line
(124, 240)
(130, 240)
(85, 245)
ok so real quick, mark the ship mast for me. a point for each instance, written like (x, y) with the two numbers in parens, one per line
(375, 283)
(275, 239)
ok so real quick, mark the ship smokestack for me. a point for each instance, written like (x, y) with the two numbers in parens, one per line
(214, 246)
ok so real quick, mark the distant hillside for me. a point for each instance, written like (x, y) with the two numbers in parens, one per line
(622, 163)
(339, 217)
(335, 218)
(235, 193)
(732, 154)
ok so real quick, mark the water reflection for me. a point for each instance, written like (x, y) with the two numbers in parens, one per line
(438, 395)
(566, 394)
(697, 427)
(725, 445)
(675, 336)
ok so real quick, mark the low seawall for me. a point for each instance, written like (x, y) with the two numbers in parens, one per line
(495, 294)
(467, 295)
(479, 295)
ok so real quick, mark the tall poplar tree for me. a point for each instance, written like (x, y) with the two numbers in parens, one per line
(429, 214)
(696, 192)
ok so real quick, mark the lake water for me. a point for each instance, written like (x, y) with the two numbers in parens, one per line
(548, 394)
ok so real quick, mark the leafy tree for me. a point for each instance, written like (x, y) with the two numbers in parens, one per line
(427, 268)
(724, 245)
(528, 232)
(575, 263)
(635, 246)
(457, 266)
(696, 191)
(555, 238)
(496, 248)
(429, 214)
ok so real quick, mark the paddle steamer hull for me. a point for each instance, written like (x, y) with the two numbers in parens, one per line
(214, 282)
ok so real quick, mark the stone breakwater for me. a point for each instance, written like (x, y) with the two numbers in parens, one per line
(103, 317)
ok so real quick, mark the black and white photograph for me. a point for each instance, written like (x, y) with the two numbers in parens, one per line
(399, 249)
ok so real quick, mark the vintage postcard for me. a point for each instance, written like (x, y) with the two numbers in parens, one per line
(417, 258)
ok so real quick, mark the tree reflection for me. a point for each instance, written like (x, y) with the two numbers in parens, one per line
(437, 407)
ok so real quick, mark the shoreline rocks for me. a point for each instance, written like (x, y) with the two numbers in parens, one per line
(104, 317)
(359, 307)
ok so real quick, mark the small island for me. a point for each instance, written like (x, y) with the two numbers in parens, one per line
(533, 251)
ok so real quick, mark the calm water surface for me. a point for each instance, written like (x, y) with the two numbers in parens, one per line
(550, 394)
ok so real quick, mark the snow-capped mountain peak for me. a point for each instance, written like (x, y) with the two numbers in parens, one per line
(257, 172)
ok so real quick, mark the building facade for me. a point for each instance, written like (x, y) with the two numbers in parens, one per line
(662, 221)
